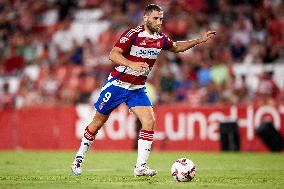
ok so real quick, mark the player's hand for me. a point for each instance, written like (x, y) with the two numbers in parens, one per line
(139, 66)
(205, 36)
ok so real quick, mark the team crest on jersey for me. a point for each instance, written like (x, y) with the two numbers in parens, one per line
(102, 104)
(123, 39)
(143, 43)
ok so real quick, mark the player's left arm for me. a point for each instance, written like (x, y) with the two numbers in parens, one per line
(181, 46)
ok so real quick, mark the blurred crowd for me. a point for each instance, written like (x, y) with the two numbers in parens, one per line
(43, 64)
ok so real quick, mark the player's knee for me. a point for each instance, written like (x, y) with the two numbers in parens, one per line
(148, 123)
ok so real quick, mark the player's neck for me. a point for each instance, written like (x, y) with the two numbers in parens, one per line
(149, 31)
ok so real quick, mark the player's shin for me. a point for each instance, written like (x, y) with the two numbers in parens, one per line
(86, 142)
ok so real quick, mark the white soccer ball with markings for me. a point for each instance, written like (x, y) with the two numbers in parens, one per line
(183, 170)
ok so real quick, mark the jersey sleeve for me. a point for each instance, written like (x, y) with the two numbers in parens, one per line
(125, 40)
(168, 43)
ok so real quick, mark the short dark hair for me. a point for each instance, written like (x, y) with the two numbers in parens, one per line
(152, 7)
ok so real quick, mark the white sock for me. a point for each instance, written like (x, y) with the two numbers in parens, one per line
(144, 146)
(84, 147)
(86, 142)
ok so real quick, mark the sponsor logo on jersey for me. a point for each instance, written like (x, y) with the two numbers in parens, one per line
(147, 53)
(151, 53)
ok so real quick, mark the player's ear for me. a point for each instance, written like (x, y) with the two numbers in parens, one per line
(145, 17)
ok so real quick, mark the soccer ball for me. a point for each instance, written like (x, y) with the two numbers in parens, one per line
(183, 170)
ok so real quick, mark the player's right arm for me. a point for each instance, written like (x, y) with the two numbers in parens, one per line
(124, 45)
(116, 56)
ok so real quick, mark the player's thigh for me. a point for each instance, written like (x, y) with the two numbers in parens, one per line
(141, 105)
(146, 115)
(110, 98)
(138, 98)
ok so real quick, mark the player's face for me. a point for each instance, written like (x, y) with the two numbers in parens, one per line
(153, 21)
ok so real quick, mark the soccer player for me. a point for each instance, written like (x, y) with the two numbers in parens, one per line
(135, 53)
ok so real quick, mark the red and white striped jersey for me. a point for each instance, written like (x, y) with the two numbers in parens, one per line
(138, 46)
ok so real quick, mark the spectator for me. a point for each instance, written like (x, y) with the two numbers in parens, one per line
(219, 73)
(267, 91)
(195, 95)
(87, 84)
(7, 100)
(43, 34)
(272, 50)
(204, 75)
(238, 50)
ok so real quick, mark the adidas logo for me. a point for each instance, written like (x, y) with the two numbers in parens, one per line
(87, 144)
(148, 149)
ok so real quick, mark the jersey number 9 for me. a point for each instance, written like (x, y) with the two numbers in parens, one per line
(107, 97)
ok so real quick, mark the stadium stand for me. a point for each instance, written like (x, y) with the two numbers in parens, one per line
(56, 52)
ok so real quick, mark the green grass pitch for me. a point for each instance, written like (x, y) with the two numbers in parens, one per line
(50, 169)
